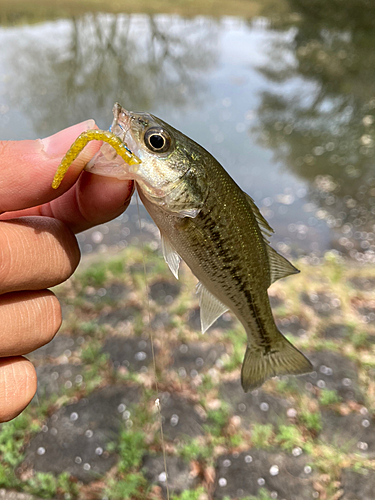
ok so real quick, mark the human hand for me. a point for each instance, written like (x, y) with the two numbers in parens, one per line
(38, 248)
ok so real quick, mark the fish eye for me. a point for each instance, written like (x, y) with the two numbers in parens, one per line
(157, 140)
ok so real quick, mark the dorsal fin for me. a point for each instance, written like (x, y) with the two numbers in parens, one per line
(280, 267)
(266, 229)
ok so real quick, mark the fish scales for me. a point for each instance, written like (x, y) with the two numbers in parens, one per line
(220, 245)
(208, 221)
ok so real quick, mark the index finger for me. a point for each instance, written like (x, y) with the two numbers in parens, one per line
(27, 167)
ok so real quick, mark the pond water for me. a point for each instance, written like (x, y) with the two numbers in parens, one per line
(286, 104)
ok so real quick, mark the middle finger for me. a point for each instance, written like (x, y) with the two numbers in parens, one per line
(28, 321)
(35, 253)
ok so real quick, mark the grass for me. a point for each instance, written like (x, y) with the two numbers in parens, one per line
(132, 486)
(237, 341)
(190, 494)
(46, 485)
(224, 431)
(129, 481)
(88, 328)
(288, 437)
(95, 275)
(43, 484)
(217, 420)
(262, 435)
(12, 436)
(8, 478)
(194, 450)
(329, 397)
(92, 353)
(360, 340)
(288, 386)
(130, 448)
(263, 494)
(329, 460)
(312, 421)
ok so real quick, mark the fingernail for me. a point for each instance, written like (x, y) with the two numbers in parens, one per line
(58, 144)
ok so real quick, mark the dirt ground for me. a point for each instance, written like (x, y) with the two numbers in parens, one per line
(93, 430)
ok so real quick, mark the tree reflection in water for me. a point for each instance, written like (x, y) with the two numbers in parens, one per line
(320, 119)
(141, 61)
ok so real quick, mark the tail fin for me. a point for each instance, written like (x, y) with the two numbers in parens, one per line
(258, 366)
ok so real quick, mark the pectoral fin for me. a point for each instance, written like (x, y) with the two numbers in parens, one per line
(211, 307)
(171, 257)
(187, 197)
(280, 267)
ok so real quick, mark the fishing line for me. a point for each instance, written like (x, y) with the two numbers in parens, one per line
(151, 335)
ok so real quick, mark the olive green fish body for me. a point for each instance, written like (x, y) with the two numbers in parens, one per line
(224, 248)
(209, 222)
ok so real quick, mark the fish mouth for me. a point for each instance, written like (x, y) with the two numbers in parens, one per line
(121, 121)
(121, 117)
(106, 162)
(121, 126)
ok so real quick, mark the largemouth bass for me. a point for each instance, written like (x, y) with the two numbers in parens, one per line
(206, 219)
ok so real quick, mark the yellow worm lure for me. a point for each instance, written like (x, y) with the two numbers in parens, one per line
(93, 135)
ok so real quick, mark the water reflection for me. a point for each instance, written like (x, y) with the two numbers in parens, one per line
(300, 84)
(319, 115)
(67, 70)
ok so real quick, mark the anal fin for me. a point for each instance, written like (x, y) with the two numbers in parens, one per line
(210, 307)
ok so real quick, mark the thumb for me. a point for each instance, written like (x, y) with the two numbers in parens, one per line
(27, 167)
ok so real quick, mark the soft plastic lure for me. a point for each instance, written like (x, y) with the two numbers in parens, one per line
(93, 135)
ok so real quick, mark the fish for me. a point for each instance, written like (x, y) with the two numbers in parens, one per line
(209, 222)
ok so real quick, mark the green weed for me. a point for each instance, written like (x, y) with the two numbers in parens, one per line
(334, 266)
(263, 494)
(66, 486)
(217, 420)
(238, 342)
(7, 477)
(138, 325)
(132, 486)
(131, 448)
(87, 327)
(235, 440)
(312, 421)
(193, 450)
(95, 275)
(116, 266)
(360, 339)
(287, 386)
(262, 435)
(329, 397)
(206, 385)
(189, 494)
(288, 437)
(92, 353)
(43, 484)
(329, 460)
(12, 435)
